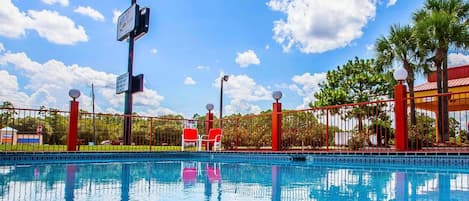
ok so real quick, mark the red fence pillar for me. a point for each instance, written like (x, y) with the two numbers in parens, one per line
(72, 126)
(400, 111)
(277, 126)
(209, 122)
(209, 125)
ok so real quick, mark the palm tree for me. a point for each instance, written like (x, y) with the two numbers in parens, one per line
(401, 46)
(439, 25)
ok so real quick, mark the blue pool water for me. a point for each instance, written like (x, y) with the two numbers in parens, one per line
(178, 180)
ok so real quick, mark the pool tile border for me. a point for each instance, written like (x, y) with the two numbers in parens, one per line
(401, 158)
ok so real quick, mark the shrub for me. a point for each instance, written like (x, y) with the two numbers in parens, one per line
(356, 142)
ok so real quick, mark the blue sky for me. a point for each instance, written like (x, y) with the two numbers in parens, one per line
(50, 46)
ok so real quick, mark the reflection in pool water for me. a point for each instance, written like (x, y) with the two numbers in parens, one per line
(195, 180)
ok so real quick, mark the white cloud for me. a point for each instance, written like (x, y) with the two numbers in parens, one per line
(244, 59)
(370, 49)
(154, 51)
(115, 15)
(315, 26)
(458, 59)
(90, 12)
(243, 91)
(2, 48)
(57, 28)
(50, 82)
(267, 47)
(50, 25)
(203, 67)
(391, 3)
(306, 85)
(189, 81)
(12, 22)
(159, 112)
(10, 90)
(61, 2)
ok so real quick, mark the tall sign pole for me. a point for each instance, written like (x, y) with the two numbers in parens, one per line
(131, 25)
(128, 93)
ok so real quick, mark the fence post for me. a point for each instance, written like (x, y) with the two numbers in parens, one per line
(73, 126)
(209, 125)
(276, 126)
(327, 130)
(209, 122)
(151, 131)
(400, 112)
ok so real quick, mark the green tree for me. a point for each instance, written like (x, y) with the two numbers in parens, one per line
(7, 113)
(400, 46)
(439, 25)
(357, 81)
(58, 127)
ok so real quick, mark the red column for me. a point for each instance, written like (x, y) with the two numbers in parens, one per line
(276, 126)
(400, 111)
(208, 126)
(72, 126)
(209, 122)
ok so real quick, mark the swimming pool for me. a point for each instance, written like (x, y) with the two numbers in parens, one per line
(225, 178)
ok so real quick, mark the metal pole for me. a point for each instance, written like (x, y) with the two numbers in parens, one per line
(128, 93)
(221, 103)
(94, 122)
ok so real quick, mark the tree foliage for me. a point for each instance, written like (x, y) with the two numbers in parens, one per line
(357, 81)
(439, 25)
(400, 47)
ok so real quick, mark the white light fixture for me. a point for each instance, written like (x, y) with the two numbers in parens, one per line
(400, 74)
(277, 95)
(74, 93)
(209, 107)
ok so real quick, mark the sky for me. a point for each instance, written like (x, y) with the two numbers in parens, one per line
(48, 47)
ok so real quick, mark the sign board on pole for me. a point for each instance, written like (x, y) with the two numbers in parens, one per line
(122, 83)
(143, 23)
(137, 83)
(127, 22)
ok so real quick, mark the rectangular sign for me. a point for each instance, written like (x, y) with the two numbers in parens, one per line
(127, 22)
(122, 83)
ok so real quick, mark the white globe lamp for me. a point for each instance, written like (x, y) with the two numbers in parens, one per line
(277, 95)
(74, 93)
(209, 107)
(400, 75)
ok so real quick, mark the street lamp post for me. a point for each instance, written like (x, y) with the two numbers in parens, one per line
(223, 79)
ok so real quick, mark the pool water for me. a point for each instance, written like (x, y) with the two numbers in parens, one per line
(178, 180)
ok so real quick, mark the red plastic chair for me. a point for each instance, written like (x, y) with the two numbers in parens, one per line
(214, 139)
(189, 135)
